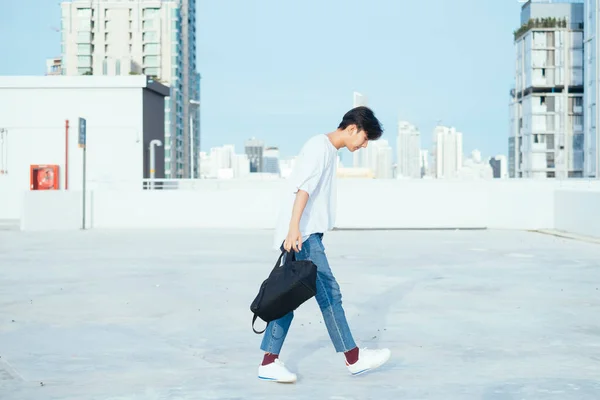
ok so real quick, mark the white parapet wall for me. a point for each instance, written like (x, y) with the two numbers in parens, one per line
(362, 204)
(577, 212)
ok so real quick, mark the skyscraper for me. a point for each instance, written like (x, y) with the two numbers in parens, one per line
(254, 149)
(151, 37)
(271, 160)
(547, 137)
(448, 152)
(409, 151)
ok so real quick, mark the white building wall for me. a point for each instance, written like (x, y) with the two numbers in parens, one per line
(36, 134)
(494, 204)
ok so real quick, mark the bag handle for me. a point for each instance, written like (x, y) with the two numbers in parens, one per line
(291, 256)
(254, 329)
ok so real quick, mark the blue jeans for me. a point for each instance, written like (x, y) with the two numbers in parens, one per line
(328, 297)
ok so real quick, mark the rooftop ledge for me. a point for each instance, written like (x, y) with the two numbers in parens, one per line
(568, 206)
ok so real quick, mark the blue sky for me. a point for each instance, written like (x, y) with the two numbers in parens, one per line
(283, 71)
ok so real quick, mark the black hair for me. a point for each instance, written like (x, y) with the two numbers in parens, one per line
(365, 120)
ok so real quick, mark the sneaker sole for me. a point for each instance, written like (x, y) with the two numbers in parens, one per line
(262, 378)
(372, 368)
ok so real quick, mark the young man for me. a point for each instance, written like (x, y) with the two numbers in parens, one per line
(308, 210)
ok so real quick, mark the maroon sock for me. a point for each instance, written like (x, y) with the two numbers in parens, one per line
(351, 356)
(269, 358)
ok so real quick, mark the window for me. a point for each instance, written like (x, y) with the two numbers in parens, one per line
(84, 37)
(150, 36)
(84, 12)
(578, 142)
(550, 160)
(151, 61)
(84, 61)
(84, 71)
(150, 12)
(151, 72)
(148, 24)
(151, 48)
(118, 67)
(550, 142)
(84, 49)
(105, 67)
(85, 25)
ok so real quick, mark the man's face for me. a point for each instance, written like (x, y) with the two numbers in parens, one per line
(357, 140)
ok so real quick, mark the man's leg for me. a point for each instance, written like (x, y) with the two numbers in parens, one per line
(271, 368)
(275, 334)
(329, 298)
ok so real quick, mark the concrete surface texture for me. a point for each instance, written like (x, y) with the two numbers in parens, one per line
(165, 315)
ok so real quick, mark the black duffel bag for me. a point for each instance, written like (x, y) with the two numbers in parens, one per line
(287, 287)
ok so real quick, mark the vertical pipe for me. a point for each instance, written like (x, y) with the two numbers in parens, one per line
(67, 154)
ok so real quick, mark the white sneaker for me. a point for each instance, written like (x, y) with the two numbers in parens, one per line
(369, 359)
(276, 372)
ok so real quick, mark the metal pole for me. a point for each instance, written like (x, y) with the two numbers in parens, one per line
(83, 196)
(191, 147)
(67, 154)
(153, 143)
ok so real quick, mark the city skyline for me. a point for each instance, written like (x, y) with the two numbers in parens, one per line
(274, 99)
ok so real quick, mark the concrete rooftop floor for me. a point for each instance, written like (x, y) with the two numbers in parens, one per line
(165, 315)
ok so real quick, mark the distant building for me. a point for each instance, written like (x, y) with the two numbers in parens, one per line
(474, 168)
(271, 161)
(254, 149)
(547, 118)
(54, 66)
(499, 166)
(447, 153)
(409, 151)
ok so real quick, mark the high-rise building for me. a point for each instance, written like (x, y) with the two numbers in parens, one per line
(271, 160)
(254, 149)
(151, 37)
(591, 92)
(382, 162)
(409, 151)
(447, 152)
(547, 137)
(499, 166)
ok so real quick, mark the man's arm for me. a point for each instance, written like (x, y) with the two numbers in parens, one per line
(294, 237)
(306, 177)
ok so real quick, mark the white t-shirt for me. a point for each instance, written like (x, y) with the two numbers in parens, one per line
(314, 172)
